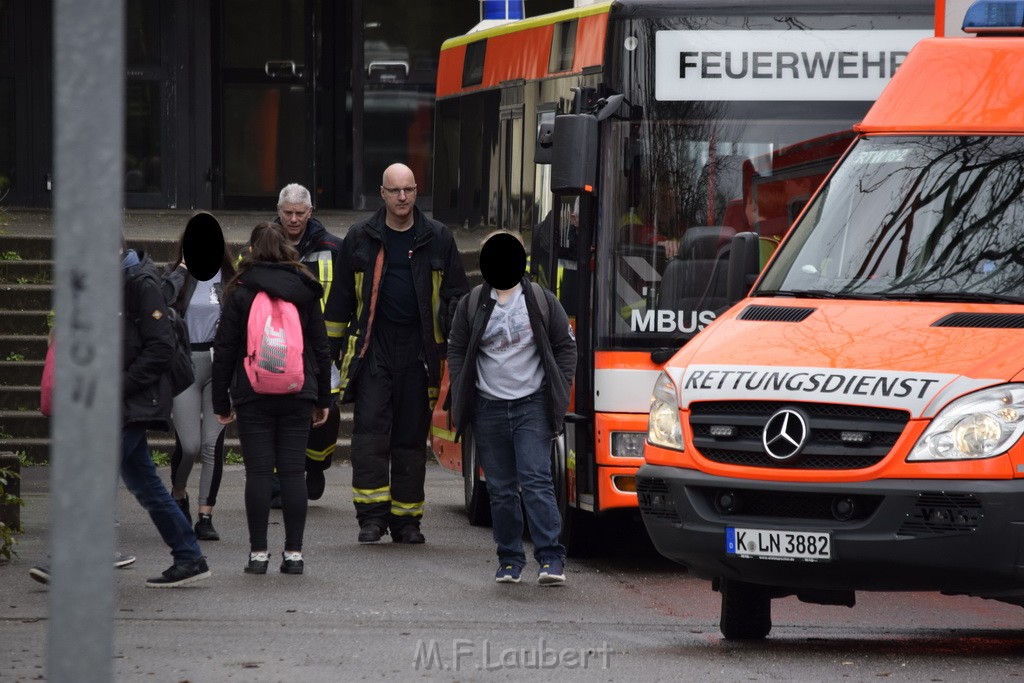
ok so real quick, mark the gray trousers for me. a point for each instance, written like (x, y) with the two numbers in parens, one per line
(197, 429)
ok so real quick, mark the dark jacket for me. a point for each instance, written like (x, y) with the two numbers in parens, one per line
(320, 251)
(148, 345)
(556, 344)
(281, 281)
(438, 276)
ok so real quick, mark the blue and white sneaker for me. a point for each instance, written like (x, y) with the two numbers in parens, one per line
(508, 573)
(552, 573)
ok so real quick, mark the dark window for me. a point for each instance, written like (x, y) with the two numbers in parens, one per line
(563, 46)
(473, 67)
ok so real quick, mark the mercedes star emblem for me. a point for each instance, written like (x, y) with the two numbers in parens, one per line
(785, 434)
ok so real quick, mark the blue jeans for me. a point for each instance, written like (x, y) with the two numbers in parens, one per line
(140, 476)
(513, 443)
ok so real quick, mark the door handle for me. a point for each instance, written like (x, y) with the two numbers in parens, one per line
(282, 68)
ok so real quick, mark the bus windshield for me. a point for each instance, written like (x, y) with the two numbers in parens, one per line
(687, 164)
(926, 218)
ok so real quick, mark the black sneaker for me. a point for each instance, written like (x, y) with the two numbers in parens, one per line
(181, 575)
(183, 505)
(369, 532)
(315, 484)
(40, 573)
(291, 563)
(258, 563)
(407, 534)
(204, 528)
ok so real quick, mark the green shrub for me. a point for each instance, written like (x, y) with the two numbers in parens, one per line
(7, 534)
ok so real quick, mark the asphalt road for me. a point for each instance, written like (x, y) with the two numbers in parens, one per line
(398, 612)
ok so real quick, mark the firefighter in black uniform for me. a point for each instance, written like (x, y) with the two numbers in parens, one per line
(400, 279)
(320, 251)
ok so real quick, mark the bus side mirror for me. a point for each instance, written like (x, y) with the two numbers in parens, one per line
(545, 138)
(744, 266)
(574, 154)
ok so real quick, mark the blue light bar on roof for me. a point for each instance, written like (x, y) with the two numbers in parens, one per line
(502, 9)
(995, 16)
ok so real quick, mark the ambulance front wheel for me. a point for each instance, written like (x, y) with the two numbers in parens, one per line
(746, 610)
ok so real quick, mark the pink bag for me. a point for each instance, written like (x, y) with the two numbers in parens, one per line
(46, 386)
(273, 360)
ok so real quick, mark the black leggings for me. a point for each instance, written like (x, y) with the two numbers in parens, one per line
(272, 431)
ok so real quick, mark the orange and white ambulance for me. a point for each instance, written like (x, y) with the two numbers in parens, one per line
(855, 423)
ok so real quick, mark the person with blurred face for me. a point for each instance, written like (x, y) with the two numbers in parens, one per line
(401, 276)
(511, 362)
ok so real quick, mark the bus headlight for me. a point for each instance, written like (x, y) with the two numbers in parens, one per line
(663, 427)
(980, 425)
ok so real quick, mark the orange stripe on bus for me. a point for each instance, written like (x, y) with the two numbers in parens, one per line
(624, 360)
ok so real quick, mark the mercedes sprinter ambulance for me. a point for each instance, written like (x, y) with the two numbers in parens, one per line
(855, 423)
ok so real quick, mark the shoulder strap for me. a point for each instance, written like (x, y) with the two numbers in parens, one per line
(542, 302)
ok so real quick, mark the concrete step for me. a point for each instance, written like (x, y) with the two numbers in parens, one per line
(37, 450)
(19, 398)
(25, 297)
(14, 347)
(40, 247)
(25, 272)
(21, 373)
(24, 322)
(24, 424)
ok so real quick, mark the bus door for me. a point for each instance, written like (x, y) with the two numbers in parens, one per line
(509, 201)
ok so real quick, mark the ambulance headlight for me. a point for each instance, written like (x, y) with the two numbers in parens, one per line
(980, 425)
(663, 426)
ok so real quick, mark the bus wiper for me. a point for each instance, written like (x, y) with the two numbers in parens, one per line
(967, 297)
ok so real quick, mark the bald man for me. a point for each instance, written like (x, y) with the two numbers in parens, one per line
(400, 278)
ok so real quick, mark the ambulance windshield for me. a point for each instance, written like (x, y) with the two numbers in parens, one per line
(938, 217)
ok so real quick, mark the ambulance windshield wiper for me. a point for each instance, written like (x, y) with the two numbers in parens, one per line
(816, 294)
(966, 297)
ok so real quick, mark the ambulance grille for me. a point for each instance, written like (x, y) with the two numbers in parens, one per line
(876, 428)
(939, 513)
(654, 500)
(777, 314)
(788, 505)
(1010, 321)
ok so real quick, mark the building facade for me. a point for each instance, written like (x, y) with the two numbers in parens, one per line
(228, 100)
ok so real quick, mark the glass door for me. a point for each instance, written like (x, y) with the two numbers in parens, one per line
(263, 100)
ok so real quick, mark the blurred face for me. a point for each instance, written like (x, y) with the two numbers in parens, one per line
(399, 194)
(294, 218)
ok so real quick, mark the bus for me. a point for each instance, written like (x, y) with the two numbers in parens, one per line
(652, 153)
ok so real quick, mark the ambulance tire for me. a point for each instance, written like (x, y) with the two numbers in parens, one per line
(746, 610)
(578, 526)
(478, 503)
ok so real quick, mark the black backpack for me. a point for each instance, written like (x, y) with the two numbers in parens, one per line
(181, 371)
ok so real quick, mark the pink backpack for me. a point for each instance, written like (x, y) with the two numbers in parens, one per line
(273, 360)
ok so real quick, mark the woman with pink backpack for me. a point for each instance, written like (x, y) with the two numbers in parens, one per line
(271, 370)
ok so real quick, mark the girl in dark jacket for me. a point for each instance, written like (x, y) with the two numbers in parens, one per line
(198, 434)
(272, 429)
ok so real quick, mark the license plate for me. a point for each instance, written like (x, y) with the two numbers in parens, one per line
(769, 544)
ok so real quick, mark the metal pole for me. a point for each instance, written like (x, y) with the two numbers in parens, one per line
(85, 432)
